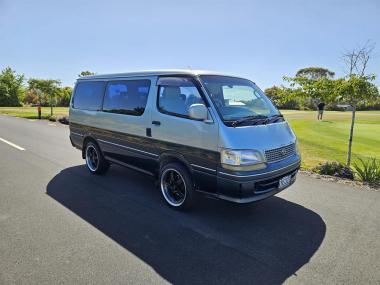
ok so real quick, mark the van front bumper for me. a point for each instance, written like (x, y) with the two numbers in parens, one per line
(240, 188)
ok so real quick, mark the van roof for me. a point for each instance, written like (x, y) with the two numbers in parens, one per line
(153, 73)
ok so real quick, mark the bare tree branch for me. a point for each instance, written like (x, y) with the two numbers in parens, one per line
(357, 59)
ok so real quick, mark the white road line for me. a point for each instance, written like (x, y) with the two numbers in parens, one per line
(12, 144)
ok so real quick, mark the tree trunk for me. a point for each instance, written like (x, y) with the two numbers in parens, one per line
(51, 105)
(351, 135)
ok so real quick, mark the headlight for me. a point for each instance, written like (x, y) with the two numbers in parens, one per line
(242, 159)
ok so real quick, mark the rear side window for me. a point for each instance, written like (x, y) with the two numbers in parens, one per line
(88, 95)
(126, 97)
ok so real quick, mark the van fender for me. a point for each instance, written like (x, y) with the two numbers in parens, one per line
(173, 156)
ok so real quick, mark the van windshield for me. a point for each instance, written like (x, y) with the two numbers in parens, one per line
(238, 99)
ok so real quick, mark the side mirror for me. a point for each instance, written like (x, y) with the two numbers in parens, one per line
(198, 112)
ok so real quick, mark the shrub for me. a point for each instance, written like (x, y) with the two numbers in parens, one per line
(334, 169)
(52, 118)
(368, 170)
(64, 120)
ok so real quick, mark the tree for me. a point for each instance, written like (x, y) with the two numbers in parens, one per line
(11, 87)
(86, 73)
(274, 93)
(46, 90)
(315, 73)
(311, 84)
(353, 90)
(30, 97)
(314, 89)
(280, 99)
(357, 87)
(64, 96)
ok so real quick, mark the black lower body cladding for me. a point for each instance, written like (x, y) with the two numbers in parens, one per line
(147, 154)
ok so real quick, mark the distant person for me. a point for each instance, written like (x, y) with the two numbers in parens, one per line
(321, 108)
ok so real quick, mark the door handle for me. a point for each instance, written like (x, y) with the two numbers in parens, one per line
(157, 123)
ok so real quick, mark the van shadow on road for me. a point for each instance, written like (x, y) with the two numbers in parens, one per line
(216, 243)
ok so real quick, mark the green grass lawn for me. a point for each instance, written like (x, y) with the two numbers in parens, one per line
(319, 141)
(327, 140)
(31, 112)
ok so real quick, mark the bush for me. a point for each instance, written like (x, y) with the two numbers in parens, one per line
(52, 118)
(369, 170)
(334, 169)
(64, 120)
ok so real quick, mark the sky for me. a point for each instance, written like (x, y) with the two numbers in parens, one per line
(260, 40)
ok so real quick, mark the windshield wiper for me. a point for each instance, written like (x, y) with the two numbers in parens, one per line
(275, 118)
(256, 119)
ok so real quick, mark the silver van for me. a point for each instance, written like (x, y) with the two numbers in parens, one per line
(194, 131)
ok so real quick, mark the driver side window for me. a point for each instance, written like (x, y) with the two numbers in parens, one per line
(176, 98)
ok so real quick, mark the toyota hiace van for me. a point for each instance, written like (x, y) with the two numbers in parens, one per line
(194, 131)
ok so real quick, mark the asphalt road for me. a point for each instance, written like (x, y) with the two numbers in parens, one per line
(61, 225)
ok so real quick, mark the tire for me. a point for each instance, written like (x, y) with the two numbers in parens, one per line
(176, 186)
(95, 161)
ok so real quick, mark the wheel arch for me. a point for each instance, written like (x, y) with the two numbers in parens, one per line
(171, 157)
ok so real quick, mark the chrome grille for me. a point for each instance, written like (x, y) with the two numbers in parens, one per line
(280, 153)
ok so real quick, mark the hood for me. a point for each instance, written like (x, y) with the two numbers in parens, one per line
(260, 137)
